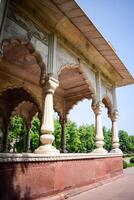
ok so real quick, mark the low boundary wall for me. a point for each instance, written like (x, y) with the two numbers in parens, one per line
(31, 176)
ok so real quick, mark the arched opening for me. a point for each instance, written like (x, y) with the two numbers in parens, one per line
(83, 116)
(107, 102)
(107, 123)
(17, 135)
(22, 138)
(29, 112)
(16, 101)
(73, 87)
(23, 70)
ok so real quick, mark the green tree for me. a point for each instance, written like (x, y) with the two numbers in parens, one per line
(57, 133)
(83, 136)
(72, 137)
(34, 133)
(90, 138)
(17, 134)
(80, 139)
(131, 143)
(124, 141)
(107, 138)
(87, 138)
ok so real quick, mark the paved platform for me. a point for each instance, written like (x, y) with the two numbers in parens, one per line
(120, 189)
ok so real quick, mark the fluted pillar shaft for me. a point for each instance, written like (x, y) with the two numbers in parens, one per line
(99, 138)
(115, 138)
(47, 127)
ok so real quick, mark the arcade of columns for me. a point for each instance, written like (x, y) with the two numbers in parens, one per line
(55, 86)
(50, 87)
(47, 127)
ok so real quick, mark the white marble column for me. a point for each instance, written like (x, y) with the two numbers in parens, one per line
(47, 127)
(115, 138)
(97, 108)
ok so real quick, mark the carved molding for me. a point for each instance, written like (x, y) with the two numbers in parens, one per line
(22, 53)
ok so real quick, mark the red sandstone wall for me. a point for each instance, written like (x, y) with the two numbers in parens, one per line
(32, 180)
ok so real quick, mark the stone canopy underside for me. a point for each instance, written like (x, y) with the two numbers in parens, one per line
(82, 22)
(67, 15)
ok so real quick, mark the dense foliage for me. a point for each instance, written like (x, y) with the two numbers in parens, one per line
(132, 160)
(78, 139)
(17, 138)
(124, 164)
(17, 134)
(34, 133)
(126, 142)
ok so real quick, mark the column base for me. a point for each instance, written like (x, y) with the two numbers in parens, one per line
(46, 149)
(100, 150)
(116, 150)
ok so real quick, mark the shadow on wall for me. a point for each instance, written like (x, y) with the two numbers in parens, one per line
(9, 187)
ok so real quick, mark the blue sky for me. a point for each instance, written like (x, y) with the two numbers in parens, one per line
(115, 20)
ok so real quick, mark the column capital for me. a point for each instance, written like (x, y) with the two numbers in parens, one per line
(114, 115)
(50, 85)
(98, 107)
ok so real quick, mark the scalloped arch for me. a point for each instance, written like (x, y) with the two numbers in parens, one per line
(35, 100)
(77, 102)
(31, 106)
(21, 52)
(58, 107)
(107, 102)
(77, 66)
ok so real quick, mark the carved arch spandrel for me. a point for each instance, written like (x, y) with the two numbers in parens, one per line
(25, 109)
(12, 85)
(108, 104)
(22, 53)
